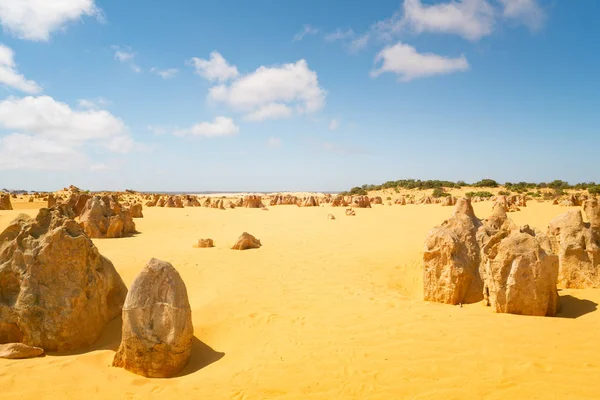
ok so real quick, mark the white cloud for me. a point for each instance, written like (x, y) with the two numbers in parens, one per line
(334, 124)
(405, 61)
(306, 30)
(214, 69)
(54, 136)
(360, 42)
(21, 151)
(527, 12)
(339, 34)
(272, 92)
(165, 73)
(49, 118)
(37, 19)
(10, 76)
(126, 56)
(471, 19)
(221, 126)
(92, 104)
(270, 111)
(274, 142)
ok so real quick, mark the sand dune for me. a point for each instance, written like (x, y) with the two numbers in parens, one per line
(325, 309)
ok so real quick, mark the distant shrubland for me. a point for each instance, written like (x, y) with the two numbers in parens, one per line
(557, 187)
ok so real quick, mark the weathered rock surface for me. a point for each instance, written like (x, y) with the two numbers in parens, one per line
(15, 351)
(105, 218)
(56, 291)
(360, 202)
(578, 248)
(136, 211)
(452, 257)
(310, 201)
(204, 243)
(5, 203)
(252, 201)
(246, 241)
(520, 273)
(157, 323)
(339, 201)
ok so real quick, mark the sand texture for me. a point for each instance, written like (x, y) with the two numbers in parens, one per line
(325, 309)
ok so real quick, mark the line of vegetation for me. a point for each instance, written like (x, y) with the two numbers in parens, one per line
(558, 187)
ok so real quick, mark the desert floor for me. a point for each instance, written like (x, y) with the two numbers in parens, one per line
(328, 310)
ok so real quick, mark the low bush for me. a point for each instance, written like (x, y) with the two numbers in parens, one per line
(485, 194)
(439, 192)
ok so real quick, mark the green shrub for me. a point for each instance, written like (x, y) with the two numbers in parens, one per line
(485, 194)
(388, 198)
(504, 193)
(594, 189)
(439, 192)
(486, 183)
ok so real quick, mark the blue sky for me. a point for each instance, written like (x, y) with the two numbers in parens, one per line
(296, 95)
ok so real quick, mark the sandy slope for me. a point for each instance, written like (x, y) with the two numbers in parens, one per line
(325, 309)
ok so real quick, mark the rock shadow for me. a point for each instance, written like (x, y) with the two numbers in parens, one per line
(572, 307)
(202, 356)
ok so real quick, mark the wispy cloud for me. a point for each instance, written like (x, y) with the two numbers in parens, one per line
(165, 73)
(306, 30)
(126, 55)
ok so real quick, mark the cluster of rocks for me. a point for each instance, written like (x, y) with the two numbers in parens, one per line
(57, 292)
(514, 269)
(244, 242)
(571, 200)
(104, 217)
(467, 260)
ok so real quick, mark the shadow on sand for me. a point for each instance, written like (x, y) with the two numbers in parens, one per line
(110, 339)
(202, 356)
(572, 307)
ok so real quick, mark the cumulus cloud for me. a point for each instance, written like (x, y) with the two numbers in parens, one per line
(37, 19)
(272, 92)
(216, 68)
(270, 111)
(54, 136)
(306, 30)
(405, 61)
(126, 55)
(527, 12)
(471, 19)
(10, 76)
(165, 73)
(22, 151)
(221, 126)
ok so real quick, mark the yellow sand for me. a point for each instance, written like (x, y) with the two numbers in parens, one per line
(326, 310)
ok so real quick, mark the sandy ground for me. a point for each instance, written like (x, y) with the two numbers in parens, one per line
(326, 310)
